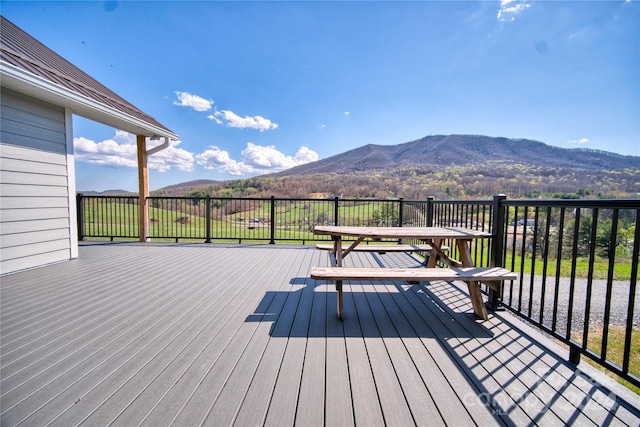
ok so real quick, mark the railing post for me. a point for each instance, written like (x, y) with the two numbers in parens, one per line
(430, 211)
(574, 355)
(497, 244)
(80, 216)
(207, 215)
(335, 211)
(401, 209)
(273, 221)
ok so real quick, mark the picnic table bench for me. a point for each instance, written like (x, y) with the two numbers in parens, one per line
(491, 276)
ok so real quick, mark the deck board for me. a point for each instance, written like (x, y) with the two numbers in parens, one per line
(263, 382)
(465, 340)
(389, 390)
(414, 324)
(187, 334)
(366, 403)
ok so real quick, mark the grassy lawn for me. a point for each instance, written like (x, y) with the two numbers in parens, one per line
(621, 269)
(615, 351)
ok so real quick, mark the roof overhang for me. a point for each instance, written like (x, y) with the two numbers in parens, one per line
(30, 84)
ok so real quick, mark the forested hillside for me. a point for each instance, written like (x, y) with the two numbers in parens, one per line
(462, 150)
(446, 167)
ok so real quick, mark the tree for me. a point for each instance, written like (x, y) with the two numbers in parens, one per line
(313, 218)
(583, 238)
(386, 215)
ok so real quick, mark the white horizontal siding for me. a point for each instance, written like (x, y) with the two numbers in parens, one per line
(30, 249)
(31, 179)
(36, 225)
(38, 158)
(30, 166)
(24, 239)
(34, 190)
(34, 260)
(33, 107)
(34, 203)
(34, 210)
(21, 109)
(11, 215)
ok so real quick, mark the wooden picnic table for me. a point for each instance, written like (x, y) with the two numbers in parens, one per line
(435, 236)
(461, 269)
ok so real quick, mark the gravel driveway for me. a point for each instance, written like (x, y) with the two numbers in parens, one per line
(618, 310)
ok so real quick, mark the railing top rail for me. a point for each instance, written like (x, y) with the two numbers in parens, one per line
(462, 202)
(578, 203)
(570, 203)
(108, 196)
(293, 199)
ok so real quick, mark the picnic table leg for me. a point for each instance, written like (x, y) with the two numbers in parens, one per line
(474, 287)
(433, 254)
(337, 249)
(339, 289)
(476, 300)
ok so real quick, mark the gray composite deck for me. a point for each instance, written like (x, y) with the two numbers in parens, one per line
(191, 334)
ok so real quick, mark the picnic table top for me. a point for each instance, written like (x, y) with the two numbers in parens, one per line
(402, 232)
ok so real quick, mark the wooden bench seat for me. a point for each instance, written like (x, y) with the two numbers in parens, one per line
(491, 276)
(382, 248)
(479, 274)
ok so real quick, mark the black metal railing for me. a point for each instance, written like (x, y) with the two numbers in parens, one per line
(236, 219)
(577, 260)
(107, 216)
(578, 267)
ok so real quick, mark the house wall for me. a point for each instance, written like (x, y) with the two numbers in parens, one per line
(36, 223)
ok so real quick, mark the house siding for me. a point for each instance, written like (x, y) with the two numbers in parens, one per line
(35, 221)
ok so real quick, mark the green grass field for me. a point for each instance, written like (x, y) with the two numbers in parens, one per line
(621, 270)
(615, 351)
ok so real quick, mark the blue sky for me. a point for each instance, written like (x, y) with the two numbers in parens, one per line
(256, 87)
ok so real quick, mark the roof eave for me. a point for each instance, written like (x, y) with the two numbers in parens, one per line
(30, 84)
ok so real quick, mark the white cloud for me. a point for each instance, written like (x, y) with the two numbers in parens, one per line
(214, 118)
(268, 157)
(510, 8)
(171, 156)
(231, 119)
(121, 151)
(305, 155)
(579, 141)
(218, 159)
(223, 117)
(255, 159)
(186, 99)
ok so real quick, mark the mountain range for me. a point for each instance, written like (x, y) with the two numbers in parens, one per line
(443, 166)
(459, 150)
